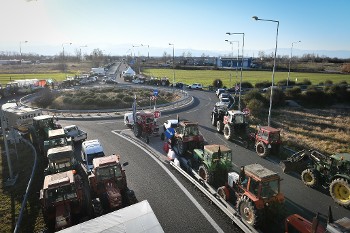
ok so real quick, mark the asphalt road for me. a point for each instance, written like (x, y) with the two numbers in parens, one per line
(176, 211)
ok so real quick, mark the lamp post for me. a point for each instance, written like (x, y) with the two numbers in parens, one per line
(20, 53)
(240, 83)
(290, 59)
(63, 53)
(147, 50)
(231, 42)
(274, 65)
(135, 46)
(81, 56)
(173, 64)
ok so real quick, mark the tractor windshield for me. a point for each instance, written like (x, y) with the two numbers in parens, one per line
(61, 193)
(61, 166)
(105, 173)
(239, 119)
(275, 136)
(227, 155)
(269, 189)
(191, 131)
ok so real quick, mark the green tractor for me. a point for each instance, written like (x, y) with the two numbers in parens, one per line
(39, 131)
(332, 172)
(214, 162)
(56, 138)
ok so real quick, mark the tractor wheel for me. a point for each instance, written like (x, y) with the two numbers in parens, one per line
(261, 149)
(213, 120)
(137, 130)
(131, 197)
(223, 192)
(309, 178)
(228, 132)
(219, 126)
(340, 191)
(181, 146)
(97, 206)
(204, 173)
(248, 211)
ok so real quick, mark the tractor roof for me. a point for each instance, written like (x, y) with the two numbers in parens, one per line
(235, 112)
(56, 133)
(60, 149)
(259, 171)
(59, 179)
(143, 113)
(269, 128)
(42, 117)
(188, 123)
(341, 156)
(107, 160)
(215, 148)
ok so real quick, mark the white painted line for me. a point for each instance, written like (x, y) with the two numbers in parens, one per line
(186, 192)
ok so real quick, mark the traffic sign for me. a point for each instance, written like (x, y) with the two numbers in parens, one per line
(157, 114)
(155, 92)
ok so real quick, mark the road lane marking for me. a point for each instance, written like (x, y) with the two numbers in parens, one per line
(186, 192)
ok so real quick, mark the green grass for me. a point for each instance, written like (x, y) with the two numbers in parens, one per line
(206, 77)
(5, 78)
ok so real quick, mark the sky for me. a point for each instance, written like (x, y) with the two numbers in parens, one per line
(119, 27)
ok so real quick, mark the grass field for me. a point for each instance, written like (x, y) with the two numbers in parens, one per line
(206, 77)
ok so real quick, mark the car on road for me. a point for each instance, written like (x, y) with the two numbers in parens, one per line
(219, 91)
(197, 86)
(223, 102)
(224, 95)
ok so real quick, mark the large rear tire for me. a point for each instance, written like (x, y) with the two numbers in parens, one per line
(219, 126)
(248, 211)
(261, 149)
(213, 119)
(137, 130)
(204, 173)
(181, 146)
(97, 206)
(309, 178)
(228, 132)
(340, 192)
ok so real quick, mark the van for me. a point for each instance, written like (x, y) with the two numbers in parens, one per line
(91, 149)
(129, 119)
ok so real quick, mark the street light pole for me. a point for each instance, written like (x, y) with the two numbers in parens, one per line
(82, 46)
(63, 53)
(173, 63)
(240, 83)
(147, 50)
(20, 53)
(274, 65)
(290, 59)
(231, 42)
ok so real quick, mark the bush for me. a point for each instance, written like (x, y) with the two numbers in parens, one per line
(128, 99)
(254, 94)
(328, 82)
(217, 83)
(293, 93)
(263, 84)
(346, 68)
(246, 85)
(278, 98)
(45, 98)
(89, 101)
(67, 100)
(256, 107)
(305, 82)
(315, 97)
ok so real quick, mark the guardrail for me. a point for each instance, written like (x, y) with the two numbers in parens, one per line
(24, 202)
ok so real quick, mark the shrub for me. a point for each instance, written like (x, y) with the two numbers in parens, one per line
(254, 94)
(217, 83)
(247, 85)
(293, 93)
(67, 100)
(256, 107)
(346, 68)
(305, 82)
(278, 98)
(328, 82)
(128, 99)
(263, 84)
(315, 97)
(89, 101)
(120, 95)
(45, 98)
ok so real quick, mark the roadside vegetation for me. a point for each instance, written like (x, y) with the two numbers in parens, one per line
(101, 98)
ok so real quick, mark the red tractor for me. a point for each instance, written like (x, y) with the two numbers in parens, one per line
(108, 185)
(64, 199)
(187, 137)
(267, 140)
(145, 125)
(255, 192)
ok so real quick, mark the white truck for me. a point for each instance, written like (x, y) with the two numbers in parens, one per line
(75, 133)
(91, 149)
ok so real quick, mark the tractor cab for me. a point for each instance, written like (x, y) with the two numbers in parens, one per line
(268, 135)
(263, 183)
(61, 159)
(235, 117)
(187, 129)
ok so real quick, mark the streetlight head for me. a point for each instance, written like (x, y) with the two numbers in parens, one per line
(228, 33)
(26, 41)
(255, 17)
(226, 40)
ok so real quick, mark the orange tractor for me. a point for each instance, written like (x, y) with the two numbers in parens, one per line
(267, 140)
(255, 192)
(145, 125)
(108, 185)
(65, 199)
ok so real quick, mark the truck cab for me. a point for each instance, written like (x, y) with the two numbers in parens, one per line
(91, 149)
